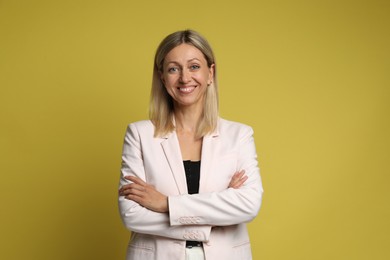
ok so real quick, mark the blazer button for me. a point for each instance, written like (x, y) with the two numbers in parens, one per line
(182, 220)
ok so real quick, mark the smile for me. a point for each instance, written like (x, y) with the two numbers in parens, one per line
(186, 89)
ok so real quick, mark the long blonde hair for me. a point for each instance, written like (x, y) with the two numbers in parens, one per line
(161, 103)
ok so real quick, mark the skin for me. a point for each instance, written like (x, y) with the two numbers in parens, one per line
(186, 77)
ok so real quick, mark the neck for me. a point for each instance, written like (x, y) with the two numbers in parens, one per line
(187, 119)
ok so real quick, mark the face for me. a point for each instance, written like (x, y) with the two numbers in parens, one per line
(186, 75)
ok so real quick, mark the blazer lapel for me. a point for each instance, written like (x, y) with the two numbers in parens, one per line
(172, 152)
(207, 159)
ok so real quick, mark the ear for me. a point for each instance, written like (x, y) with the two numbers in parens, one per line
(211, 74)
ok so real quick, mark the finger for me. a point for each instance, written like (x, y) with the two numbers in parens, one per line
(123, 188)
(126, 186)
(241, 181)
(135, 186)
(238, 179)
(129, 188)
(139, 192)
(237, 176)
(134, 198)
(237, 173)
(135, 180)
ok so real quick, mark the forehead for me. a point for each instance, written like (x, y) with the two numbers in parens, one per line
(184, 53)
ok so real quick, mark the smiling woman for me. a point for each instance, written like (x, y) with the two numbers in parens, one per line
(161, 105)
(190, 180)
(186, 76)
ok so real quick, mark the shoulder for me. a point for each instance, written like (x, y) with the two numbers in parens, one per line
(232, 127)
(142, 124)
(141, 127)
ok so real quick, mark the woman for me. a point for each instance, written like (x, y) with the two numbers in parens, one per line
(190, 180)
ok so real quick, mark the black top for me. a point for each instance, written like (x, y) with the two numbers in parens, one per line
(192, 170)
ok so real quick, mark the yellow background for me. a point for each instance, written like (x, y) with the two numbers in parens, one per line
(311, 77)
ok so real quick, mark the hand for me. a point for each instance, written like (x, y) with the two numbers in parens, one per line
(238, 180)
(144, 194)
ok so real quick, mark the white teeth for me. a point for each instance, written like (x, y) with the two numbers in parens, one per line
(187, 89)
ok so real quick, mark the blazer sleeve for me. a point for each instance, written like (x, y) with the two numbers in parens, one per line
(138, 218)
(227, 207)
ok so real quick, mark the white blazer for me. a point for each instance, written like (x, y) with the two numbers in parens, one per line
(216, 216)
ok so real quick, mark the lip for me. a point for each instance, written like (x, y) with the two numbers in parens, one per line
(186, 89)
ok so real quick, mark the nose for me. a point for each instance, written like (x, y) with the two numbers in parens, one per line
(185, 76)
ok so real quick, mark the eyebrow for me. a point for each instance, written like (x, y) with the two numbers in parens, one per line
(190, 60)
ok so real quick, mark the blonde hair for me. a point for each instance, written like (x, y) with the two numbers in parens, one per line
(161, 103)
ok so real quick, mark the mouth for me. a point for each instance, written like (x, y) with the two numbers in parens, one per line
(186, 89)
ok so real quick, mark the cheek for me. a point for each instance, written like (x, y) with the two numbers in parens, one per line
(169, 81)
(202, 77)
(170, 86)
(207, 74)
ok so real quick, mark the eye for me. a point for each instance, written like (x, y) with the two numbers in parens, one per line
(194, 67)
(173, 69)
